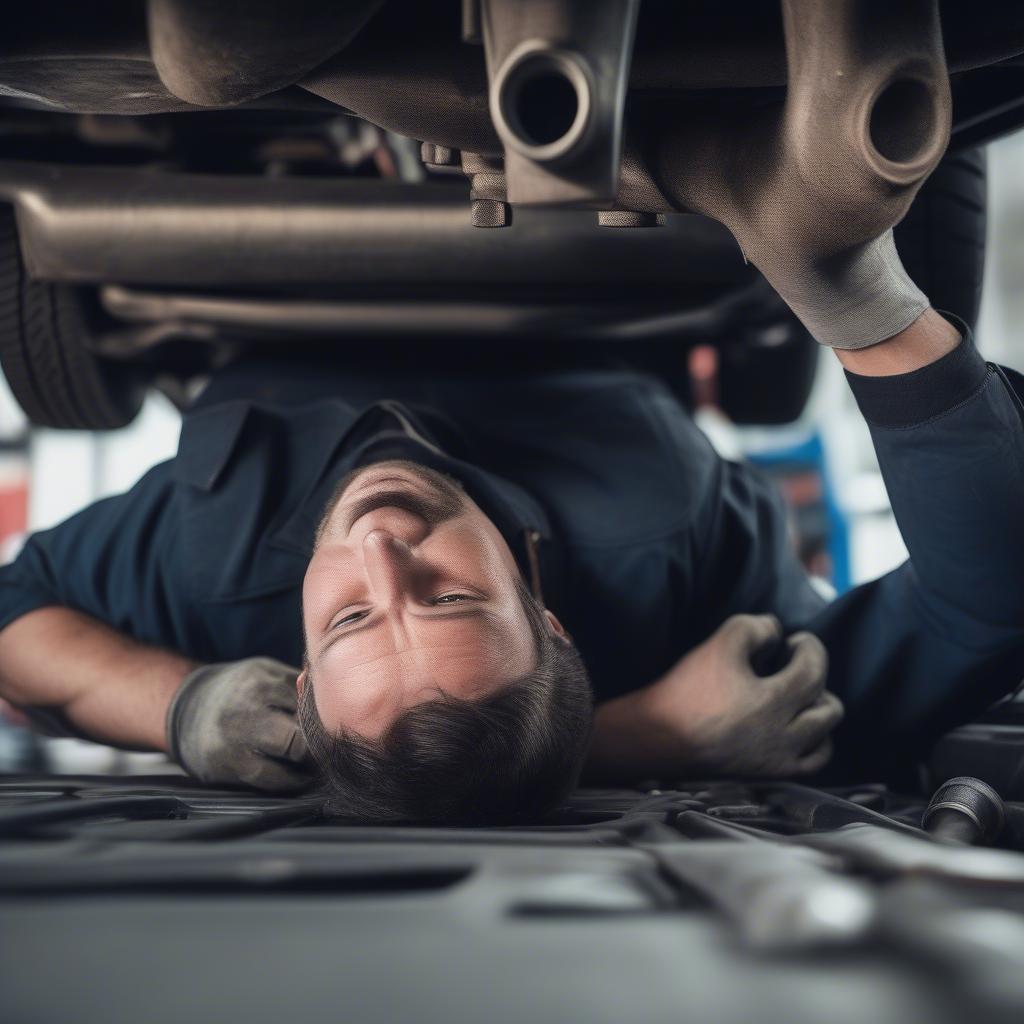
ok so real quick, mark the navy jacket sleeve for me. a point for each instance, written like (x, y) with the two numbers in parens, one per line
(929, 645)
(932, 643)
(113, 561)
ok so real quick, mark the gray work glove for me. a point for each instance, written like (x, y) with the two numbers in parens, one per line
(826, 247)
(855, 298)
(234, 724)
(715, 713)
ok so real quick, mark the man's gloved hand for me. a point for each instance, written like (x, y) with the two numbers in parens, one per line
(721, 717)
(812, 188)
(824, 245)
(234, 723)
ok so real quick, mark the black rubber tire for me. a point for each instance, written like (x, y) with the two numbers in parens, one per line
(941, 241)
(54, 376)
(768, 386)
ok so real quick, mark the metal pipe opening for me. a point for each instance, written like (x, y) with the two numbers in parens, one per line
(902, 122)
(544, 103)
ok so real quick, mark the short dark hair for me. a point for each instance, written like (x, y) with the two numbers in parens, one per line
(510, 757)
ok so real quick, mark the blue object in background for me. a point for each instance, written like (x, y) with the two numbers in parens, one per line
(808, 457)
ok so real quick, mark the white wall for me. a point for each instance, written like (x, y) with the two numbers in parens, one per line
(1001, 325)
(71, 469)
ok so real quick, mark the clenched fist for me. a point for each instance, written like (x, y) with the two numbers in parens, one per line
(713, 714)
(234, 724)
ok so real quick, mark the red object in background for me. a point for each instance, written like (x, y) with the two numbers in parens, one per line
(801, 488)
(702, 363)
(14, 479)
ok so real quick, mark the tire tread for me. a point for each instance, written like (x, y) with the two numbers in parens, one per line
(44, 355)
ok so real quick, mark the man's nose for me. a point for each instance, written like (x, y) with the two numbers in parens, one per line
(389, 563)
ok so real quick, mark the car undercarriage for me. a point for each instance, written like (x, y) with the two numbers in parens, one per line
(186, 179)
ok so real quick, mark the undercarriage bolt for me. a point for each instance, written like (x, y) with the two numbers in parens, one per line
(628, 219)
(490, 213)
(433, 155)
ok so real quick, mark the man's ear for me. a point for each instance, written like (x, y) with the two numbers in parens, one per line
(300, 682)
(556, 627)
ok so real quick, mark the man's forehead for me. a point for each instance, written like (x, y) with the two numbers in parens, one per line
(451, 647)
(367, 695)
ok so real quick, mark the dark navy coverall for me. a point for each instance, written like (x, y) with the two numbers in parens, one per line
(647, 540)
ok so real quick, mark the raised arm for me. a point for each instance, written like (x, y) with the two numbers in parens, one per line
(924, 342)
(932, 643)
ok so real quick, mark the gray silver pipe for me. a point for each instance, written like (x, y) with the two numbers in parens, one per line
(558, 71)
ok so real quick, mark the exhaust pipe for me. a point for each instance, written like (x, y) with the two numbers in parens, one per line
(868, 99)
(222, 54)
(866, 117)
(542, 102)
(131, 225)
(558, 71)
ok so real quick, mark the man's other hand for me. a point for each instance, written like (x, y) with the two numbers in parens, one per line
(712, 714)
(729, 719)
(234, 724)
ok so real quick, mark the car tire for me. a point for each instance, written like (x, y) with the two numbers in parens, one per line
(941, 240)
(762, 385)
(44, 351)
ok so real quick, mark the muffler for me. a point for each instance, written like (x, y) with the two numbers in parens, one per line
(868, 102)
(865, 119)
(557, 72)
(221, 54)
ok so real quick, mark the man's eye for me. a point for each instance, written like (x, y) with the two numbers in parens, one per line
(353, 617)
(452, 598)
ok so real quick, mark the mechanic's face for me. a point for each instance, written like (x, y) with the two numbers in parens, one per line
(410, 591)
